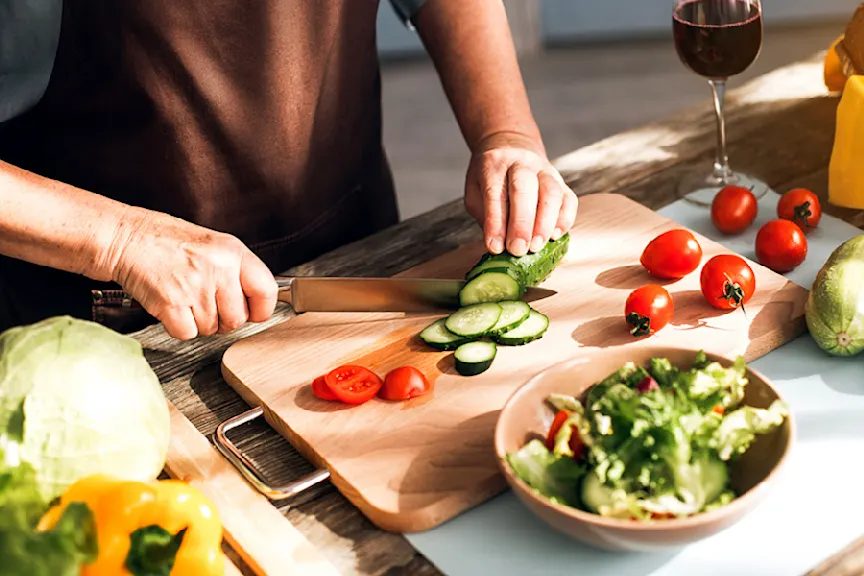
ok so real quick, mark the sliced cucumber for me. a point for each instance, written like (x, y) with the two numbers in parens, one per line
(532, 269)
(529, 330)
(474, 357)
(491, 287)
(493, 266)
(475, 320)
(437, 336)
(513, 313)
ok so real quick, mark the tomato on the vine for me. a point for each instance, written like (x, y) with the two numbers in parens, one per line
(802, 207)
(353, 384)
(648, 309)
(403, 383)
(781, 245)
(727, 281)
(733, 209)
(672, 255)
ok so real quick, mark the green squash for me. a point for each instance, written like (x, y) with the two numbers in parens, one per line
(835, 307)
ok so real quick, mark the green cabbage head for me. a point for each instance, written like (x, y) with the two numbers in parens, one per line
(79, 399)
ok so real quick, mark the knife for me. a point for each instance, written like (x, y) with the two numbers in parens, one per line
(355, 294)
(341, 294)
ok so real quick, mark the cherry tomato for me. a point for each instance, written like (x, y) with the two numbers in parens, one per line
(781, 245)
(648, 309)
(575, 443)
(802, 207)
(403, 383)
(733, 209)
(672, 255)
(353, 384)
(727, 281)
(320, 389)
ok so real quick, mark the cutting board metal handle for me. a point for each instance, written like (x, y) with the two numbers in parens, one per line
(248, 469)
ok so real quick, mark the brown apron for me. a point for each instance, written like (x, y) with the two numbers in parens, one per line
(260, 119)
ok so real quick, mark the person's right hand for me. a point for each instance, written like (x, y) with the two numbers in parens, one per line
(194, 280)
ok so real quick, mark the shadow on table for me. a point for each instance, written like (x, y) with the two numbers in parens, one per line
(805, 359)
(627, 277)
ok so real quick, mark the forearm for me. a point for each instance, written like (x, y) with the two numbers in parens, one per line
(470, 44)
(56, 225)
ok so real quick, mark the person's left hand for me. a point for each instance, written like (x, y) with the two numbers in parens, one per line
(515, 193)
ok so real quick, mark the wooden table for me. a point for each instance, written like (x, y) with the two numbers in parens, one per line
(780, 128)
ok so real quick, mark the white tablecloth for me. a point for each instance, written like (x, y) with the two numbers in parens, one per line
(815, 509)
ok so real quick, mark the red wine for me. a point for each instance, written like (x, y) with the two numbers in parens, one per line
(717, 38)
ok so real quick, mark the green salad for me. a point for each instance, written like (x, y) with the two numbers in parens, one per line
(648, 442)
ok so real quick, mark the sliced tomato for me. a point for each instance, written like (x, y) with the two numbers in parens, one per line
(719, 409)
(321, 390)
(575, 442)
(353, 384)
(559, 420)
(403, 383)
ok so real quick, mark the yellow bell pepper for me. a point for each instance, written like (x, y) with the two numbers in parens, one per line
(846, 168)
(835, 78)
(165, 527)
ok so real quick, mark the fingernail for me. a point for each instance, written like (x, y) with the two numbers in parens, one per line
(519, 247)
(537, 243)
(496, 245)
(557, 233)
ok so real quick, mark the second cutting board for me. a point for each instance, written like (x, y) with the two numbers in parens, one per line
(409, 466)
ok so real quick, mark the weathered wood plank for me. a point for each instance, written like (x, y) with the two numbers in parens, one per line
(780, 126)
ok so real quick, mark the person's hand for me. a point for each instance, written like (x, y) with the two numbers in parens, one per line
(192, 279)
(516, 194)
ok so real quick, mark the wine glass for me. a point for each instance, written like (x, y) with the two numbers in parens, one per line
(717, 39)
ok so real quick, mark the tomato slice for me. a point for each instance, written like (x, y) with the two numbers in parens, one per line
(353, 384)
(559, 420)
(320, 389)
(403, 383)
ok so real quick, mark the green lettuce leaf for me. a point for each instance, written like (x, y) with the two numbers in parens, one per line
(25, 551)
(555, 477)
(739, 428)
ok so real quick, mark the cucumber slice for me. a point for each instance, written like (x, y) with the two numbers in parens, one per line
(532, 269)
(474, 321)
(513, 313)
(531, 329)
(437, 336)
(490, 287)
(474, 357)
(494, 266)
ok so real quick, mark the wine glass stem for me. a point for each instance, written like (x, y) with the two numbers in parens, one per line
(721, 160)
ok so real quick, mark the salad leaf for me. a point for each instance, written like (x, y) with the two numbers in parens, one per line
(564, 402)
(25, 550)
(739, 428)
(652, 450)
(555, 477)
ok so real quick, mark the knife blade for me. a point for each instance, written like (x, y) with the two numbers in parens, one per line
(354, 294)
(342, 294)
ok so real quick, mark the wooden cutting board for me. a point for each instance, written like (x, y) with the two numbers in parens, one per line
(410, 466)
